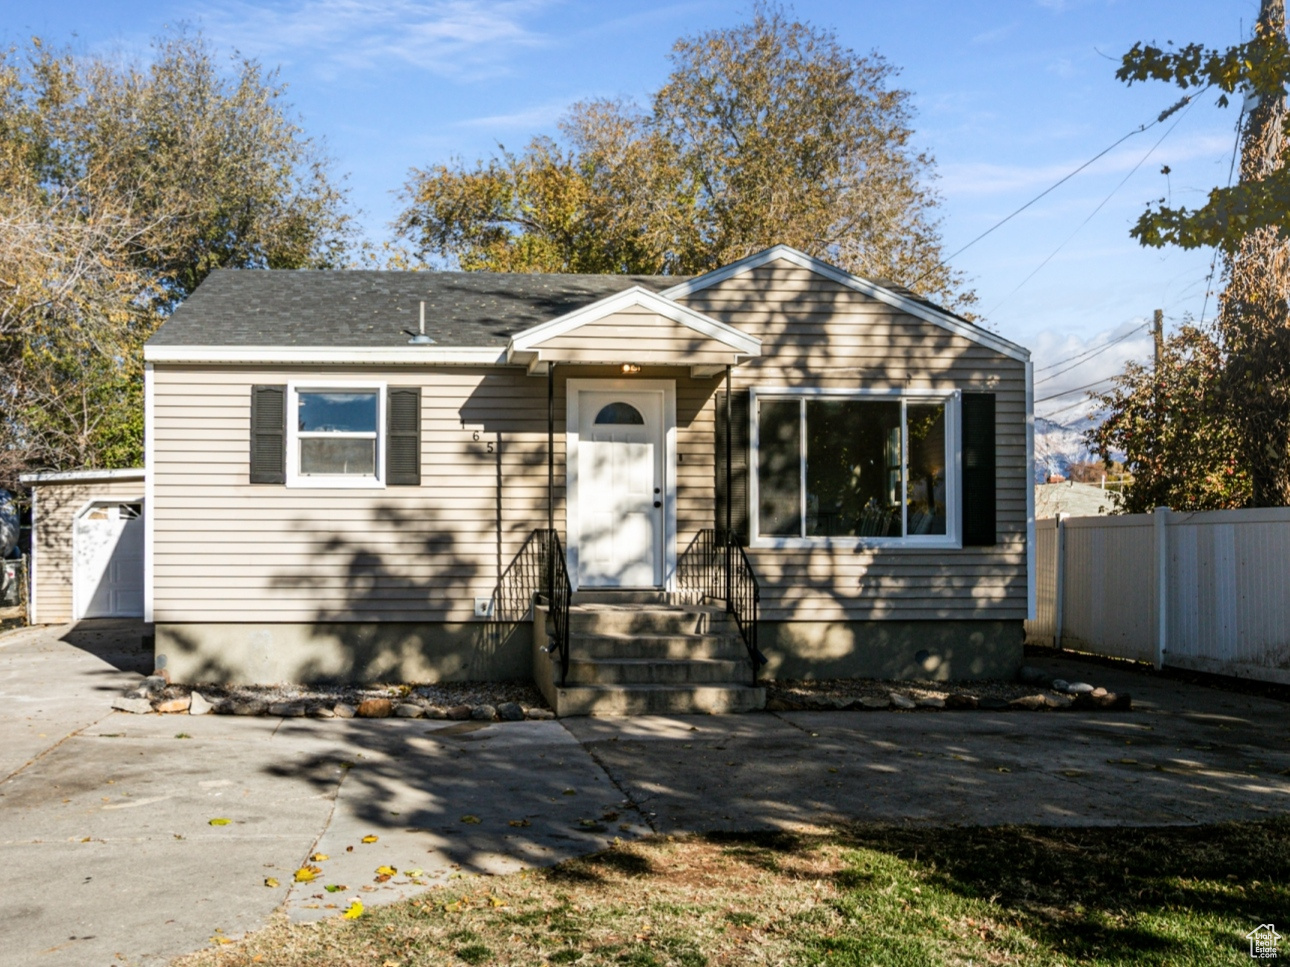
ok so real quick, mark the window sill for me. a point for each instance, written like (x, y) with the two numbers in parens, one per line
(335, 483)
(855, 543)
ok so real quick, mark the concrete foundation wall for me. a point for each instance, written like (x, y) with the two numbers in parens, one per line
(399, 652)
(345, 652)
(937, 650)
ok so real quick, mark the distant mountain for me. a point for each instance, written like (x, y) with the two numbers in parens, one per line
(1058, 445)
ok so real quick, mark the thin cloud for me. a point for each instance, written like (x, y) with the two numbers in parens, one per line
(455, 38)
(1092, 361)
(530, 119)
(993, 35)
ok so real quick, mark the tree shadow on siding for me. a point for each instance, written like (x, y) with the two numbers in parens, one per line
(823, 336)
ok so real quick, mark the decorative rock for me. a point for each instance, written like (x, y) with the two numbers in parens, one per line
(285, 710)
(1030, 703)
(539, 713)
(1057, 701)
(459, 713)
(408, 711)
(902, 701)
(957, 700)
(1032, 676)
(321, 712)
(874, 702)
(252, 707)
(1109, 702)
(1098, 692)
(343, 711)
(172, 705)
(151, 687)
(197, 704)
(375, 708)
(992, 704)
(510, 712)
(1059, 685)
(1078, 688)
(484, 713)
(435, 712)
(931, 702)
(775, 704)
(138, 706)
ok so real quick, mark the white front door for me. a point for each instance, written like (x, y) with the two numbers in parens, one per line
(107, 568)
(621, 501)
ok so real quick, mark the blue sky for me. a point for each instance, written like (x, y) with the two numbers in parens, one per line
(1011, 95)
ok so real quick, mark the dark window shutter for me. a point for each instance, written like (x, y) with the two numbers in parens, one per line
(738, 463)
(268, 434)
(978, 470)
(403, 437)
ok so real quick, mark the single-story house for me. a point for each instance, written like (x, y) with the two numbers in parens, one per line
(371, 475)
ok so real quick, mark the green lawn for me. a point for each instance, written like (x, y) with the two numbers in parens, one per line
(866, 895)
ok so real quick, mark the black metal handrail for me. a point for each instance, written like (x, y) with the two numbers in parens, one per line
(716, 566)
(559, 594)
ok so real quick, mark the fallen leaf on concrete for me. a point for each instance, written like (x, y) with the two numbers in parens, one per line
(307, 873)
(319, 857)
(386, 870)
(570, 792)
(370, 839)
(335, 887)
(471, 820)
(519, 823)
(270, 881)
(219, 822)
(1002, 769)
(354, 911)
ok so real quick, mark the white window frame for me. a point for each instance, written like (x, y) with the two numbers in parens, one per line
(334, 481)
(951, 539)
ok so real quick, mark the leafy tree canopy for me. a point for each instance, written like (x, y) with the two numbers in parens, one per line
(1178, 440)
(121, 188)
(767, 132)
(1255, 72)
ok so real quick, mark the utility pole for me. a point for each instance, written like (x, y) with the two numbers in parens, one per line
(1158, 333)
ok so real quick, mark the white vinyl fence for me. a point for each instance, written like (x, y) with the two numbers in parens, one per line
(1207, 591)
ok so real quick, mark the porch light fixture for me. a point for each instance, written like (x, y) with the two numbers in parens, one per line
(630, 369)
(420, 338)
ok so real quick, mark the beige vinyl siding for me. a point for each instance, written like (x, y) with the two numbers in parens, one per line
(817, 333)
(228, 550)
(57, 505)
(636, 336)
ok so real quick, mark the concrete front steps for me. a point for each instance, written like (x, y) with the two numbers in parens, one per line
(645, 653)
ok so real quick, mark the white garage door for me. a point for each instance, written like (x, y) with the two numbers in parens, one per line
(108, 555)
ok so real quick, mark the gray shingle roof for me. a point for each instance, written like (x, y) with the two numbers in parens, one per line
(371, 309)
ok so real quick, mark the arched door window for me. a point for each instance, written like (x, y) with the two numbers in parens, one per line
(622, 413)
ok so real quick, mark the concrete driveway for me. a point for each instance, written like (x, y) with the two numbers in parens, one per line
(110, 857)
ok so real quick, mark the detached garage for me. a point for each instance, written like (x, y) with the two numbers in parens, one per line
(87, 548)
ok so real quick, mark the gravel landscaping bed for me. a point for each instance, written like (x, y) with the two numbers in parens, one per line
(489, 701)
(1033, 691)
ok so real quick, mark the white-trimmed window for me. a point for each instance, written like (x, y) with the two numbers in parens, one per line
(854, 467)
(335, 435)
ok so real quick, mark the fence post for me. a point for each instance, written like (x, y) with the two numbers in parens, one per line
(1161, 520)
(1059, 579)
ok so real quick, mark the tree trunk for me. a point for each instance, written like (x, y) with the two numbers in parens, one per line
(1254, 317)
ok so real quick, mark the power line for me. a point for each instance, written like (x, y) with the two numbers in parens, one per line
(1067, 408)
(1053, 187)
(1077, 389)
(1085, 352)
(1101, 205)
(1231, 167)
(1092, 353)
